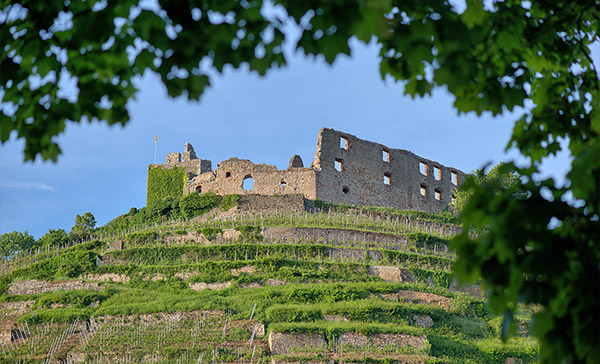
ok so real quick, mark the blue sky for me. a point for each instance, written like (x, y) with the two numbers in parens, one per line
(267, 120)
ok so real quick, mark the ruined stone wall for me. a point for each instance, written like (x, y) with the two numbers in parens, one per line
(369, 173)
(229, 178)
(190, 162)
(346, 169)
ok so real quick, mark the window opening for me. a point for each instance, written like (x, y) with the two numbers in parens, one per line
(387, 179)
(453, 198)
(437, 173)
(454, 178)
(283, 184)
(344, 143)
(386, 156)
(199, 189)
(346, 189)
(227, 174)
(423, 190)
(438, 195)
(423, 168)
(338, 165)
(248, 183)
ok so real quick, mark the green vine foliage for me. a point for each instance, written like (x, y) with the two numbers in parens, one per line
(249, 233)
(163, 183)
(229, 201)
(69, 264)
(210, 233)
(196, 204)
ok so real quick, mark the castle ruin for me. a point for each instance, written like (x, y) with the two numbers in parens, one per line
(345, 169)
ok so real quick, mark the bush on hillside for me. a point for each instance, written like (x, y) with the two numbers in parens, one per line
(249, 233)
(229, 201)
(53, 237)
(196, 204)
(167, 207)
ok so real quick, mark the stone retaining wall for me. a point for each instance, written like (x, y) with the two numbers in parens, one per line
(284, 343)
(15, 309)
(106, 277)
(420, 298)
(325, 236)
(382, 341)
(34, 286)
(392, 274)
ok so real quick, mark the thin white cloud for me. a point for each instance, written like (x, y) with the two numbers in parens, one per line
(29, 186)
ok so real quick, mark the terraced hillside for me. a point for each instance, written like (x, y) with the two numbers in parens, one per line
(254, 285)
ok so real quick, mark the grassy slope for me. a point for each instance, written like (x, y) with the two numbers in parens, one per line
(118, 317)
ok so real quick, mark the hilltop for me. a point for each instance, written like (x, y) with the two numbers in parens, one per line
(253, 279)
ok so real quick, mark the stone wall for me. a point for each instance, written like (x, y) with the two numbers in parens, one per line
(392, 274)
(346, 169)
(284, 343)
(324, 236)
(261, 203)
(192, 165)
(382, 341)
(375, 175)
(287, 343)
(34, 286)
(16, 309)
(230, 175)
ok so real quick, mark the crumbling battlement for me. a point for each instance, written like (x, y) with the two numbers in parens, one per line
(346, 169)
(364, 173)
(191, 163)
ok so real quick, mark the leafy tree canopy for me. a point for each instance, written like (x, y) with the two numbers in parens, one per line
(84, 226)
(85, 222)
(480, 176)
(14, 242)
(53, 237)
(534, 55)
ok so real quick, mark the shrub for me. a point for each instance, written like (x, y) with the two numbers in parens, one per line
(461, 304)
(195, 204)
(167, 207)
(69, 264)
(4, 282)
(210, 233)
(141, 237)
(439, 278)
(73, 264)
(249, 233)
(430, 241)
(229, 201)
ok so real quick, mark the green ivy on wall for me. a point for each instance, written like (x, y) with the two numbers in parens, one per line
(165, 183)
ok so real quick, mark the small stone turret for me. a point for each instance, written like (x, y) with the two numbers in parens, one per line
(189, 153)
(173, 158)
(296, 162)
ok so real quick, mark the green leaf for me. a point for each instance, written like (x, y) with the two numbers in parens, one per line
(474, 14)
(147, 23)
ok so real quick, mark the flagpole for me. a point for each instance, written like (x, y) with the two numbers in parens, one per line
(155, 143)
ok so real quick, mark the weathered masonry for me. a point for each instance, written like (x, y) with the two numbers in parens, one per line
(346, 169)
